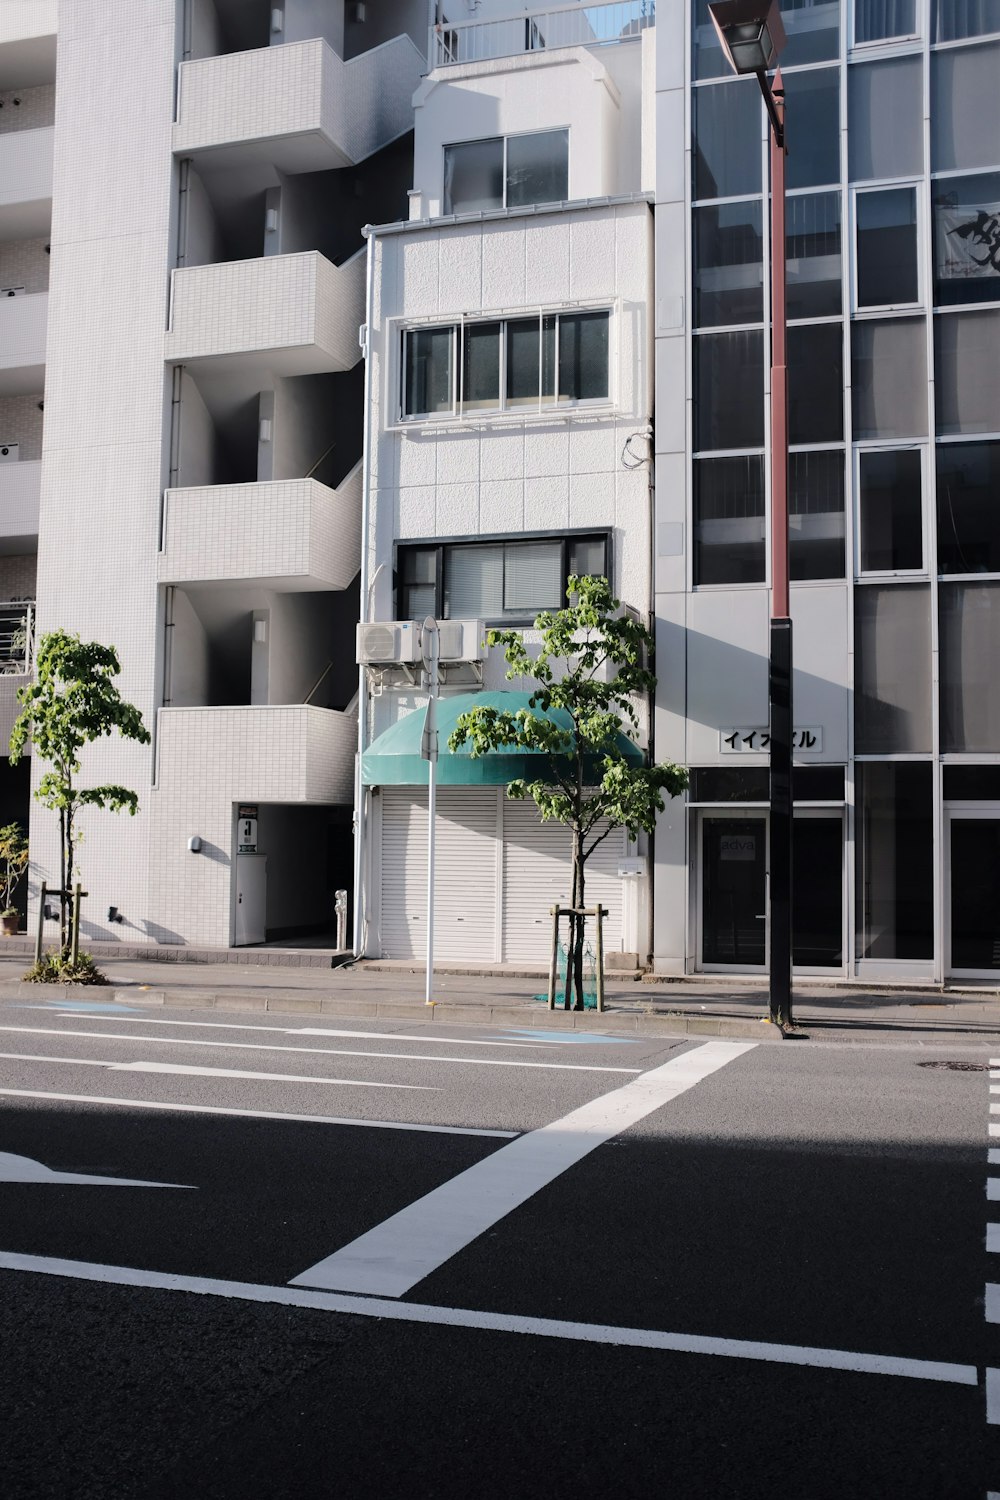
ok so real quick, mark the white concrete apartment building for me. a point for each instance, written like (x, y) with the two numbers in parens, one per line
(569, 254)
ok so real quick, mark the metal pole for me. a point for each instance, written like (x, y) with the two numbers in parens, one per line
(429, 752)
(554, 962)
(74, 951)
(41, 922)
(780, 644)
(599, 957)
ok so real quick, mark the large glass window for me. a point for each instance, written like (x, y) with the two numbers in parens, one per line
(892, 669)
(729, 390)
(506, 172)
(970, 683)
(967, 372)
(498, 580)
(813, 102)
(812, 28)
(816, 515)
(956, 19)
(965, 107)
(728, 264)
(967, 238)
(812, 238)
(891, 511)
(885, 119)
(887, 247)
(889, 378)
(879, 20)
(816, 383)
(968, 507)
(895, 860)
(727, 140)
(729, 520)
(551, 358)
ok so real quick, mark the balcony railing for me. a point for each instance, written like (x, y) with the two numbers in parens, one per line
(539, 30)
(17, 637)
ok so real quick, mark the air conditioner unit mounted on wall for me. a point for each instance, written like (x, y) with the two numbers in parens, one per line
(385, 643)
(460, 640)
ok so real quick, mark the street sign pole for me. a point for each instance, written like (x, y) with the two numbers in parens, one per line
(429, 752)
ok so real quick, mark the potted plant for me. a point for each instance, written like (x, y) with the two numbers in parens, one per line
(13, 863)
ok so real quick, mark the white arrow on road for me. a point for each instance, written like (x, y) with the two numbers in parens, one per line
(23, 1169)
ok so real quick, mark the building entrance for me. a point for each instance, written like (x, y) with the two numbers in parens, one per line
(974, 861)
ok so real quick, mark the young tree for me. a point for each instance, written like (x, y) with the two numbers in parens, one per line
(72, 702)
(13, 863)
(590, 672)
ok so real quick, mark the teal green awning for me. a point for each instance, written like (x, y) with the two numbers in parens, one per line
(393, 759)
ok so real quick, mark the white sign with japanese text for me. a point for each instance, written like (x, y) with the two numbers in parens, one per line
(752, 741)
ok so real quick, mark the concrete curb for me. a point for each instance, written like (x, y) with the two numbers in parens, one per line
(643, 1021)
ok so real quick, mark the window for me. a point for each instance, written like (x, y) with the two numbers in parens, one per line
(812, 239)
(889, 379)
(729, 520)
(967, 372)
(728, 259)
(967, 238)
(895, 860)
(885, 119)
(816, 515)
(968, 518)
(727, 140)
(507, 172)
(729, 390)
(542, 361)
(880, 20)
(969, 647)
(891, 512)
(892, 669)
(887, 247)
(496, 580)
(965, 107)
(816, 383)
(813, 102)
(956, 19)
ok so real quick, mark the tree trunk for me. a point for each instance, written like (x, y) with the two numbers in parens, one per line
(579, 920)
(62, 880)
(571, 934)
(67, 863)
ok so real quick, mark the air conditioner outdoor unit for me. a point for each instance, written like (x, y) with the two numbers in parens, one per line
(460, 640)
(9, 453)
(384, 643)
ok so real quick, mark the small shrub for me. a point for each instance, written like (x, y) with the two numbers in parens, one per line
(59, 968)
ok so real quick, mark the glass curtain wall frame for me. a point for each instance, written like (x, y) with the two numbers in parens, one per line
(891, 486)
(971, 888)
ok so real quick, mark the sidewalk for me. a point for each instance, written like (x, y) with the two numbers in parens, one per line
(695, 1007)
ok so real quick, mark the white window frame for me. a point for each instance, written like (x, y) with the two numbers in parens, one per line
(460, 414)
(503, 139)
(885, 41)
(887, 575)
(879, 309)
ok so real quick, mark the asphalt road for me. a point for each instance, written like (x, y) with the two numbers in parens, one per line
(354, 1258)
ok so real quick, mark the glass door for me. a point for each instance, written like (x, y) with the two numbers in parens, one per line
(974, 891)
(733, 891)
(818, 891)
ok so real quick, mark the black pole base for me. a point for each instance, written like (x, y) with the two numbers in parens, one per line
(780, 695)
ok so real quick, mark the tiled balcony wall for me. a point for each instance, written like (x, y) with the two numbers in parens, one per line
(22, 20)
(23, 322)
(289, 534)
(20, 486)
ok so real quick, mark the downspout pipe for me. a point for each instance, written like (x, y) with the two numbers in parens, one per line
(360, 795)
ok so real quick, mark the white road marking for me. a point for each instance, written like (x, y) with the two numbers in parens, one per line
(256, 1114)
(993, 1397)
(456, 1317)
(993, 1157)
(993, 1189)
(364, 1036)
(993, 1237)
(992, 1302)
(391, 1258)
(180, 1068)
(188, 1041)
(994, 1130)
(24, 1169)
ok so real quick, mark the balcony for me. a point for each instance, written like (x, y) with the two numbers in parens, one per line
(290, 314)
(297, 107)
(27, 43)
(23, 322)
(540, 30)
(290, 535)
(20, 486)
(26, 183)
(293, 753)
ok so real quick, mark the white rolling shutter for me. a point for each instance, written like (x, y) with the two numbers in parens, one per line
(465, 917)
(537, 873)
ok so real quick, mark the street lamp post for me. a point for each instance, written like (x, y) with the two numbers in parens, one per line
(752, 34)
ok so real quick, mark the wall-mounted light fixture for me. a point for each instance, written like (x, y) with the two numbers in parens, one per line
(277, 19)
(260, 631)
(114, 915)
(194, 844)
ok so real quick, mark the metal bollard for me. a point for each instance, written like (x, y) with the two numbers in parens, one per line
(340, 911)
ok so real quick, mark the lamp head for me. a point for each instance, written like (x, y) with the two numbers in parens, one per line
(751, 33)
